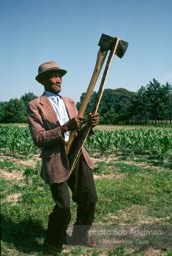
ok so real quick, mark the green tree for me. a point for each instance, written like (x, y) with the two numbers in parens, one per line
(152, 102)
(28, 97)
(138, 107)
(113, 101)
(120, 100)
(110, 117)
(168, 104)
(2, 114)
(14, 111)
(157, 96)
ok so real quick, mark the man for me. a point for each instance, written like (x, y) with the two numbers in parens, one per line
(51, 118)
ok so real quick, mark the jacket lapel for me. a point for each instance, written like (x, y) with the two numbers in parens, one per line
(49, 113)
(47, 109)
(70, 106)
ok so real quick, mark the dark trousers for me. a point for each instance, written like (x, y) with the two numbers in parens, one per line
(83, 189)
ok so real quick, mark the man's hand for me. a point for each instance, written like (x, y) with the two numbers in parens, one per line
(93, 119)
(73, 124)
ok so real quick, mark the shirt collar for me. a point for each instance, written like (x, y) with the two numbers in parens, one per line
(51, 94)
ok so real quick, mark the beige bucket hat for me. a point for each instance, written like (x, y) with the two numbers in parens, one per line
(47, 68)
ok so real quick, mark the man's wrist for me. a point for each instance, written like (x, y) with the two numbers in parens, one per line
(64, 128)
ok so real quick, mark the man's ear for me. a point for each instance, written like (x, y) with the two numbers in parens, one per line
(44, 80)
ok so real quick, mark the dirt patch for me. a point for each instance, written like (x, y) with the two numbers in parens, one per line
(16, 175)
(138, 214)
(26, 163)
(13, 198)
(145, 165)
(152, 252)
(109, 176)
(110, 159)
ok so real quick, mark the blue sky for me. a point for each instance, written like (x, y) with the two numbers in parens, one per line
(68, 32)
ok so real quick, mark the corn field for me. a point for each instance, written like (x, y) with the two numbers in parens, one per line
(133, 142)
(17, 142)
(155, 143)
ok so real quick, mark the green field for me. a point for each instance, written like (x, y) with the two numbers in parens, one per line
(133, 174)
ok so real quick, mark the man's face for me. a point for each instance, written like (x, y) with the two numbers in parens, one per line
(53, 82)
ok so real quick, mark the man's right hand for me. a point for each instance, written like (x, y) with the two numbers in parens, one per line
(73, 124)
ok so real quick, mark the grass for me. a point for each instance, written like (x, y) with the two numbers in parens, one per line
(130, 197)
(135, 185)
(10, 166)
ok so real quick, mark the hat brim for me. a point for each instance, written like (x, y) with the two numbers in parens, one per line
(40, 76)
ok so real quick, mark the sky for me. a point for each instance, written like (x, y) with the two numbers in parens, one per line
(68, 32)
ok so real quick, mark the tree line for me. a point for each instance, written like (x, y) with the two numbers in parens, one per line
(151, 103)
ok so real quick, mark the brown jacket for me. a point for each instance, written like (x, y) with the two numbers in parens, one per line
(45, 130)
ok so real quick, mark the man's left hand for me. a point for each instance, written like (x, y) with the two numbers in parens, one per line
(93, 119)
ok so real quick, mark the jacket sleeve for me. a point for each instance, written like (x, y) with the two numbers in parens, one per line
(43, 132)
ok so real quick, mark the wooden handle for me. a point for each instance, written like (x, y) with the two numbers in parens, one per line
(74, 156)
(99, 63)
(98, 66)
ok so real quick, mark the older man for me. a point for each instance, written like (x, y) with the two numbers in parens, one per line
(51, 118)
